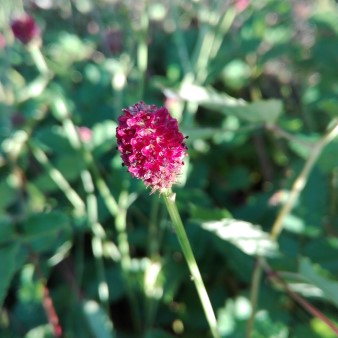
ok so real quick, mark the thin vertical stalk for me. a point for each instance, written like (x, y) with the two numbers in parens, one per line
(300, 300)
(180, 43)
(169, 200)
(117, 209)
(123, 245)
(38, 59)
(142, 49)
(98, 234)
(301, 180)
(47, 301)
(277, 226)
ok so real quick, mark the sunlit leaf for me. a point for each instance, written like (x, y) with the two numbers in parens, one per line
(316, 277)
(249, 238)
(266, 111)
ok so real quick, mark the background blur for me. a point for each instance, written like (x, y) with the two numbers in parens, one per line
(253, 84)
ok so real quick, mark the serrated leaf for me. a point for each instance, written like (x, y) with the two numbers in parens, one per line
(247, 237)
(329, 287)
(98, 321)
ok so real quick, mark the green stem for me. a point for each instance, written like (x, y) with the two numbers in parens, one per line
(38, 59)
(97, 239)
(300, 300)
(59, 179)
(123, 245)
(169, 199)
(117, 210)
(277, 227)
(255, 282)
(301, 180)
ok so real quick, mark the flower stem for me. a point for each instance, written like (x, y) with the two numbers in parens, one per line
(58, 179)
(277, 226)
(301, 180)
(169, 199)
(39, 59)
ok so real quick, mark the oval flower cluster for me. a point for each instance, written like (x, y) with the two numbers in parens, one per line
(151, 146)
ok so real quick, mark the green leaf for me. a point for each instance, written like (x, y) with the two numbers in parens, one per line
(322, 329)
(238, 178)
(46, 231)
(69, 48)
(71, 164)
(323, 251)
(116, 283)
(236, 74)
(8, 191)
(247, 237)
(315, 277)
(329, 159)
(42, 331)
(11, 262)
(158, 334)
(234, 311)
(99, 322)
(7, 230)
(264, 327)
(207, 214)
(103, 137)
(53, 139)
(301, 144)
(267, 111)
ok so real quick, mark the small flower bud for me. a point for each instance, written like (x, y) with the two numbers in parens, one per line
(25, 29)
(85, 134)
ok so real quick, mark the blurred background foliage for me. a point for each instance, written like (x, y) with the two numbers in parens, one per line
(254, 86)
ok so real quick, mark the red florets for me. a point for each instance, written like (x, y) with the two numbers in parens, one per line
(151, 146)
(24, 28)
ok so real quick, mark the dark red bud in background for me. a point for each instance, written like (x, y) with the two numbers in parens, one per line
(25, 28)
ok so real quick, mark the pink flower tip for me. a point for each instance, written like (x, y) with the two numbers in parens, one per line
(84, 133)
(24, 28)
(151, 146)
(241, 5)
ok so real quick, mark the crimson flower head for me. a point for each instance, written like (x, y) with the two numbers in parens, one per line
(25, 29)
(151, 146)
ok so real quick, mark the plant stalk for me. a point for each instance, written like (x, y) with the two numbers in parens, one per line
(277, 226)
(169, 199)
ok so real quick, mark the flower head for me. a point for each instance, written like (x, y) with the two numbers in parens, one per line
(25, 29)
(151, 146)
